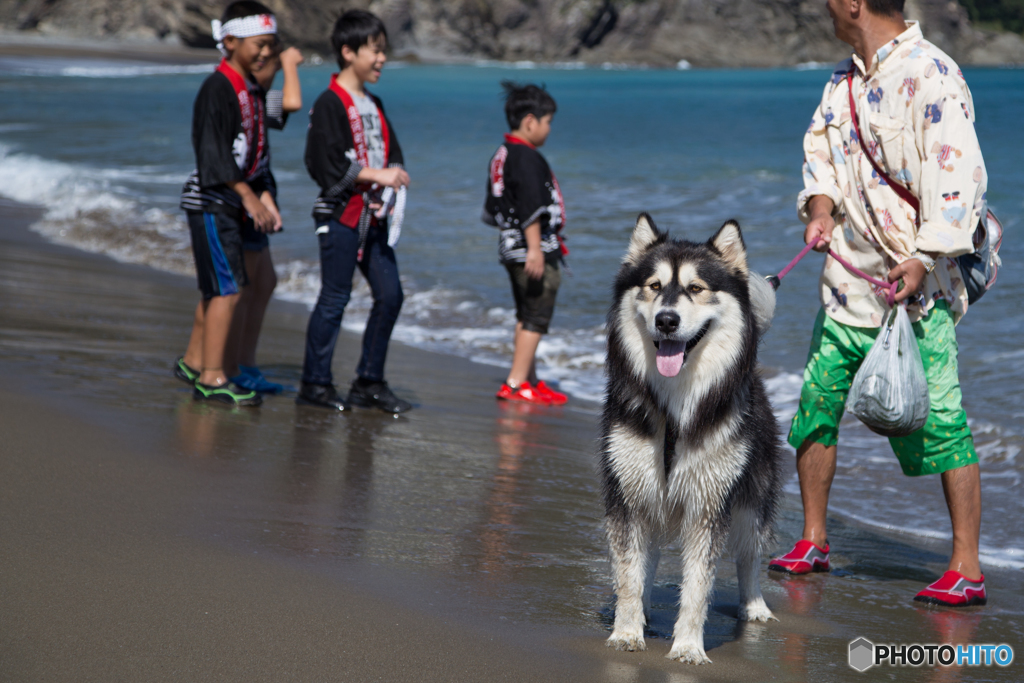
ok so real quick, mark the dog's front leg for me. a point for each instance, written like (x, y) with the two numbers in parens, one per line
(653, 557)
(702, 543)
(749, 537)
(629, 541)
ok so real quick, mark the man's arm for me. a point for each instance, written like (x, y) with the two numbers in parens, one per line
(214, 121)
(267, 199)
(821, 188)
(290, 60)
(953, 176)
(534, 265)
(327, 141)
(819, 210)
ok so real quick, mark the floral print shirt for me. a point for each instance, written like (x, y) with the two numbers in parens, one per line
(917, 117)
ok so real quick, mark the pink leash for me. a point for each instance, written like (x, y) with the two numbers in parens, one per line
(890, 298)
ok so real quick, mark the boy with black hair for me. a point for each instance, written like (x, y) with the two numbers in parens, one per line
(252, 305)
(353, 155)
(525, 203)
(230, 181)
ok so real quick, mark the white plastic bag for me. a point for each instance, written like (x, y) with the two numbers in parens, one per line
(890, 392)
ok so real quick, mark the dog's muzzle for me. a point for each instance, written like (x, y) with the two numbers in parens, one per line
(672, 352)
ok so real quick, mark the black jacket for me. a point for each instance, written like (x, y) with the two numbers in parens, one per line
(330, 152)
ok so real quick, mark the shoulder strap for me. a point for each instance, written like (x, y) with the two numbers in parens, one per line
(900, 190)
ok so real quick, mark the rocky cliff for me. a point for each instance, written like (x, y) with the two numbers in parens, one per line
(655, 32)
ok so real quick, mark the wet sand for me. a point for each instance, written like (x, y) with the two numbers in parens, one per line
(28, 45)
(146, 537)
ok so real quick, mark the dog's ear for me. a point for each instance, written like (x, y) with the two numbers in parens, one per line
(644, 235)
(728, 242)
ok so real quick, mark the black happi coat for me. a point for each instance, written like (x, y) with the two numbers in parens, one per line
(522, 190)
(216, 126)
(330, 154)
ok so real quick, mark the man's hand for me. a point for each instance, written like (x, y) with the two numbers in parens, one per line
(267, 200)
(912, 271)
(291, 58)
(261, 215)
(534, 265)
(388, 177)
(821, 224)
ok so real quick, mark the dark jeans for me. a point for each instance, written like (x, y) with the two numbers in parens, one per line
(338, 249)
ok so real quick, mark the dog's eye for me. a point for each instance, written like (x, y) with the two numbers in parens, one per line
(655, 286)
(695, 289)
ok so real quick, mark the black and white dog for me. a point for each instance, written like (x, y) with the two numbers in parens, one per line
(690, 446)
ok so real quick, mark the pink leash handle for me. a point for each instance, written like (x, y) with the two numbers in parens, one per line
(890, 297)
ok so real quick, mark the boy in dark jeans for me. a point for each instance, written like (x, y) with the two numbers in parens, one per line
(230, 181)
(353, 155)
(525, 203)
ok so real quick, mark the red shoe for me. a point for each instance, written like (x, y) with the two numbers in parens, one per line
(555, 398)
(524, 392)
(953, 589)
(804, 558)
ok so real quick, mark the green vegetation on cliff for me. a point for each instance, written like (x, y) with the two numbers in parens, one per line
(1006, 15)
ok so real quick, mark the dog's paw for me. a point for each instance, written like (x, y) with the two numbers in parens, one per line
(627, 643)
(688, 653)
(756, 611)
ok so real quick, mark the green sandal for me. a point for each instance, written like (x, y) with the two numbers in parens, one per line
(184, 372)
(229, 393)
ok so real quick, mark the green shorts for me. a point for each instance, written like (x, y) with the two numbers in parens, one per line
(837, 350)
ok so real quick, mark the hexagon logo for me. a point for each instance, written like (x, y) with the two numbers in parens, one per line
(862, 654)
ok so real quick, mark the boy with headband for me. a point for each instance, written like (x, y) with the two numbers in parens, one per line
(229, 138)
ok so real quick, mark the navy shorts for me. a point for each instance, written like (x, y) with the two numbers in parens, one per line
(217, 248)
(253, 239)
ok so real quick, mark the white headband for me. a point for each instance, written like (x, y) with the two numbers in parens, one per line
(243, 27)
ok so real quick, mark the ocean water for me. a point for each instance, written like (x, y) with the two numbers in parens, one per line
(104, 148)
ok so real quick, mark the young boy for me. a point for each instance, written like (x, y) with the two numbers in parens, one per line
(252, 305)
(231, 180)
(353, 155)
(525, 203)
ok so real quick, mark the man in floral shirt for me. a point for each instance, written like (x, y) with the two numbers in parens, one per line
(915, 118)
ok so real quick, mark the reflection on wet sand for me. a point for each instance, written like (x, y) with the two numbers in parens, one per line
(207, 432)
(513, 436)
(327, 486)
(805, 594)
(955, 628)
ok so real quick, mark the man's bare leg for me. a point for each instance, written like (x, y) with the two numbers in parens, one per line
(235, 331)
(194, 352)
(962, 487)
(816, 467)
(523, 358)
(263, 280)
(217, 324)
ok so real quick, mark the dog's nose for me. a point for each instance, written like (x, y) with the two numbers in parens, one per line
(667, 322)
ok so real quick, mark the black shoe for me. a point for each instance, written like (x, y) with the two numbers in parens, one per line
(185, 373)
(322, 396)
(376, 395)
(229, 393)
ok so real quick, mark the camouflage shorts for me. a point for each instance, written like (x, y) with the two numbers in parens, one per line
(837, 350)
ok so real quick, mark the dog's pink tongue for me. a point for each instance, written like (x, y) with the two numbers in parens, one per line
(670, 357)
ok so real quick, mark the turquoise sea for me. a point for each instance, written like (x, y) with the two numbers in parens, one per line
(104, 148)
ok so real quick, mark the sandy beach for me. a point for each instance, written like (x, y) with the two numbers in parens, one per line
(28, 45)
(146, 537)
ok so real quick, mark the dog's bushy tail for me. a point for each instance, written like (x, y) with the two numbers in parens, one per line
(762, 301)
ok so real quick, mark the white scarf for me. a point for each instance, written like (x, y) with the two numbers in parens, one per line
(243, 27)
